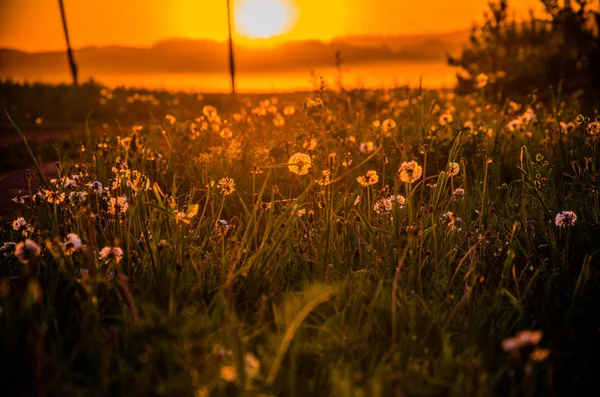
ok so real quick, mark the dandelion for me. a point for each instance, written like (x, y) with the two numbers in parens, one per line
(117, 205)
(226, 133)
(453, 169)
(565, 218)
(210, 112)
(369, 179)
(325, 178)
(289, 110)
(278, 120)
(445, 119)
(221, 227)
(366, 147)
(388, 124)
(184, 217)
(310, 145)
(481, 80)
(383, 206)
(449, 219)
(8, 248)
(112, 254)
(300, 163)
(54, 197)
(22, 226)
(170, 119)
(522, 339)
(251, 365)
(410, 172)
(228, 373)
(226, 186)
(77, 198)
(26, 251)
(458, 194)
(96, 187)
(71, 244)
(566, 127)
(539, 355)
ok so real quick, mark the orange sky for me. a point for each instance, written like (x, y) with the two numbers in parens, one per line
(34, 25)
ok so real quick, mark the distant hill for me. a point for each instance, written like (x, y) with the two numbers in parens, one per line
(186, 55)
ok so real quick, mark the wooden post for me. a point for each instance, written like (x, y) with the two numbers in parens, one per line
(231, 56)
(72, 63)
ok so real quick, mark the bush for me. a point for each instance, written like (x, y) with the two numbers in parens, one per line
(515, 58)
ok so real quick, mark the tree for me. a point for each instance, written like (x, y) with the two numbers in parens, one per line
(515, 58)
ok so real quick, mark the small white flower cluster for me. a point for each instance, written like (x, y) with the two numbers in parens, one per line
(565, 218)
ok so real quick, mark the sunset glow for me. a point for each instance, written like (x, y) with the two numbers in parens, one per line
(264, 18)
(145, 22)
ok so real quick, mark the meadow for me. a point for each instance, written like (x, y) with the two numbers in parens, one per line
(402, 242)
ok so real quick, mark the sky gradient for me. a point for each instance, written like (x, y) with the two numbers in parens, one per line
(34, 25)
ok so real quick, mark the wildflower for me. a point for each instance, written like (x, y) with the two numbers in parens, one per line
(453, 169)
(539, 355)
(481, 80)
(567, 127)
(39, 120)
(117, 205)
(71, 244)
(77, 198)
(22, 226)
(446, 118)
(221, 227)
(170, 119)
(226, 133)
(278, 120)
(369, 179)
(383, 206)
(325, 178)
(114, 254)
(366, 147)
(300, 163)
(449, 218)
(54, 197)
(26, 251)
(310, 145)
(289, 110)
(251, 365)
(388, 124)
(96, 187)
(210, 112)
(300, 212)
(522, 339)
(347, 161)
(410, 172)
(565, 218)
(458, 194)
(8, 248)
(514, 125)
(357, 200)
(228, 373)
(226, 186)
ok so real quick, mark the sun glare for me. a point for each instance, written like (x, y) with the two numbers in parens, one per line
(261, 19)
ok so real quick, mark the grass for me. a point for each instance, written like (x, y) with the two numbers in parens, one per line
(298, 280)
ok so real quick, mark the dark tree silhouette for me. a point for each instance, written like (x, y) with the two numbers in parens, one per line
(72, 64)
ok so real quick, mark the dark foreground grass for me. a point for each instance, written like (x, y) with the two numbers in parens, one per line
(363, 243)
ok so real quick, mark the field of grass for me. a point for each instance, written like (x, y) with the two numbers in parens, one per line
(360, 243)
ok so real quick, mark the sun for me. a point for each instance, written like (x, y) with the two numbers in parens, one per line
(261, 19)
